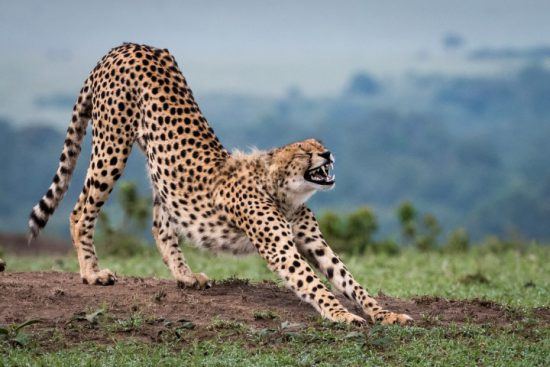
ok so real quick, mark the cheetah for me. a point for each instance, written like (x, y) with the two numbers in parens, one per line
(214, 199)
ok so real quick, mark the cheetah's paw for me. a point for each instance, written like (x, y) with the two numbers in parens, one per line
(101, 277)
(349, 318)
(392, 318)
(196, 280)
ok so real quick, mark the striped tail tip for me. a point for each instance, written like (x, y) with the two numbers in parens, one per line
(36, 223)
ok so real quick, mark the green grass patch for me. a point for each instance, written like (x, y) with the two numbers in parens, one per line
(390, 346)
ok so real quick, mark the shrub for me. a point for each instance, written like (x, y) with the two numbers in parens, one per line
(420, 234)
(406, 214)
(123, 239)
(427, 239)
(457, 241)
(354, 232)
(360, 228)
(333, 229)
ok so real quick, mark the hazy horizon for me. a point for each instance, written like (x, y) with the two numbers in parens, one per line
(261, 48)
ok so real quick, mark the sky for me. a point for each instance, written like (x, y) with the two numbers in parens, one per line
(257, 47)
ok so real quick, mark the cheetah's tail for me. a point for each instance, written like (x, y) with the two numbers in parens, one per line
(42, 211)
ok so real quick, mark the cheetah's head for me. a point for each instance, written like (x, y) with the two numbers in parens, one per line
(302, 168)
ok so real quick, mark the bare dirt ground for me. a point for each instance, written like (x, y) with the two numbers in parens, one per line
(61, 302)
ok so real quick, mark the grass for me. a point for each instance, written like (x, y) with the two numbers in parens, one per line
(391, 346)
(517, 279)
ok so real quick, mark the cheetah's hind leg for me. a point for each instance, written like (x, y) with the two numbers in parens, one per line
(167, 242)
(106, 166)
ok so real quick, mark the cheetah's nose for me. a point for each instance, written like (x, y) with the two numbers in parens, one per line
(327, 155)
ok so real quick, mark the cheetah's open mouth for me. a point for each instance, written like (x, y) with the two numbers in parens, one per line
(321, 175)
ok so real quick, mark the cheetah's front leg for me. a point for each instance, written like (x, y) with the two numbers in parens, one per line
(310, 242)
(271, 235)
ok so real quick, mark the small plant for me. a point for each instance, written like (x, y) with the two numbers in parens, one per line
(91, 317)
(265, 315)
(159, 296)
(294, 325)
(233, 281)
(378, 338)
(175, 330)
(134, 322)
(14, 335)
(220, 324)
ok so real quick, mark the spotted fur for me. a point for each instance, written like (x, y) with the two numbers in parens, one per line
(234, 202)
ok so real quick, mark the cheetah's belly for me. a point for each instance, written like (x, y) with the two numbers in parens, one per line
(217, 236)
